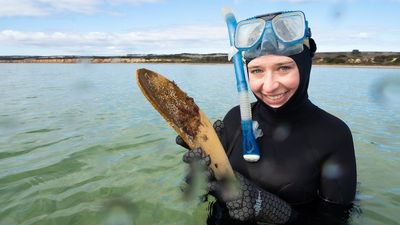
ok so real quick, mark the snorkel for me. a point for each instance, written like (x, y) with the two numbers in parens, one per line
(251, 152)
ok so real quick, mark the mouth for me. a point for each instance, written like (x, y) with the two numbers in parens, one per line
(276, 100)
(276, 97)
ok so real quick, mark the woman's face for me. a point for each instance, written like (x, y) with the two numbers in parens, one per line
(273, 79)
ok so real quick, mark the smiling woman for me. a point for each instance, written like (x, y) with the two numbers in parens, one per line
(306, 170)
(273, 79)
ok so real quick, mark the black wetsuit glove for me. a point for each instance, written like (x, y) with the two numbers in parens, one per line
(198, 162)
(248, 202)
(244, 200)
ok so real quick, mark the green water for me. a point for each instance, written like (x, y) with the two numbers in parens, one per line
(79, 144)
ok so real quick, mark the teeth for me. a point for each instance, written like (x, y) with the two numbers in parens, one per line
(275, 97)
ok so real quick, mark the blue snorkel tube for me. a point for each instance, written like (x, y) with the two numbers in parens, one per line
(251, 152)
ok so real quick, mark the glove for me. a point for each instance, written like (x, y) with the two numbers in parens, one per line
(244, 200)
(198, 162)
(199, 176)
(248, 202)
(197, 159)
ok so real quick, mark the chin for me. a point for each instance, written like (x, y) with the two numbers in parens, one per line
(275, 106)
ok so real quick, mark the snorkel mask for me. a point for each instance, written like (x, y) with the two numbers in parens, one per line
(281, 33)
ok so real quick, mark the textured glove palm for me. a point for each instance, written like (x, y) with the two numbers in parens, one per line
(248, 202)
(244, 200)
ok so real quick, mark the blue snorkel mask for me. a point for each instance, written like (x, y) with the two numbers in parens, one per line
(281, 33)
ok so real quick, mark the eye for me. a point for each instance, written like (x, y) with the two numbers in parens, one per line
(256, 71)
(285, 68)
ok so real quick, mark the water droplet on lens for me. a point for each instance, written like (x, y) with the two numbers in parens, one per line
(387, 91)
(281, 132)
(331, 171)
(119, 211)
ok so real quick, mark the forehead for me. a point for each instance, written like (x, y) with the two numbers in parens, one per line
(270, 60)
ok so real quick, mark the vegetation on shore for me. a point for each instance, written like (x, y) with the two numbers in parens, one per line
(358, 58)
(329, 58)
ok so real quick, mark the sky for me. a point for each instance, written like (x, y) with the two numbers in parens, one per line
(120, 27)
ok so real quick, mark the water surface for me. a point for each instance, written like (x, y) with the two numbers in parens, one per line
(79, 144)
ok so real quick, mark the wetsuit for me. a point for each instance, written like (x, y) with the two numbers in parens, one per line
(307, 156)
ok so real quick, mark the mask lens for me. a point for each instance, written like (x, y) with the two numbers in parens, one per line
(248, 33)
(289, 27)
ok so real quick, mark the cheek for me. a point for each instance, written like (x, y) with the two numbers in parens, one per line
(293, 84)
(255, 84)
(293, 81)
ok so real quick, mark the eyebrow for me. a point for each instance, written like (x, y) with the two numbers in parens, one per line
(278, 64)
(285, 63)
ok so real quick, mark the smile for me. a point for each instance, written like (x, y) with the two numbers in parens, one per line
(276, 97)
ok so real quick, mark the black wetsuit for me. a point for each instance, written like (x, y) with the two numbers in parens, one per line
(307, 156)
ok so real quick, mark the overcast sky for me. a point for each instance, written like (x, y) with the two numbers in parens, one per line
(119, 27)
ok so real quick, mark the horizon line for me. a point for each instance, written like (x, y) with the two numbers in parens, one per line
(170, 54)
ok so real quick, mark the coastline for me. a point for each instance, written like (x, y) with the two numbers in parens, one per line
(357, 66)
(326, 59)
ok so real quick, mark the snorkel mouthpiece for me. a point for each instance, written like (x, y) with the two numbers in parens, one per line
(251, 152)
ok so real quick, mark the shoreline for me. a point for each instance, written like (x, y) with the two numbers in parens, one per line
(210, 63)
(327, 59)
(357, 66)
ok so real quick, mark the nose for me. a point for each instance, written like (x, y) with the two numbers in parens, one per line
(270, 83)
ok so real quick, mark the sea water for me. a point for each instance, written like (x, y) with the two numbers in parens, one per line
(79, 144)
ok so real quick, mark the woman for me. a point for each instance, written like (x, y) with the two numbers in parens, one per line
(307, 170)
